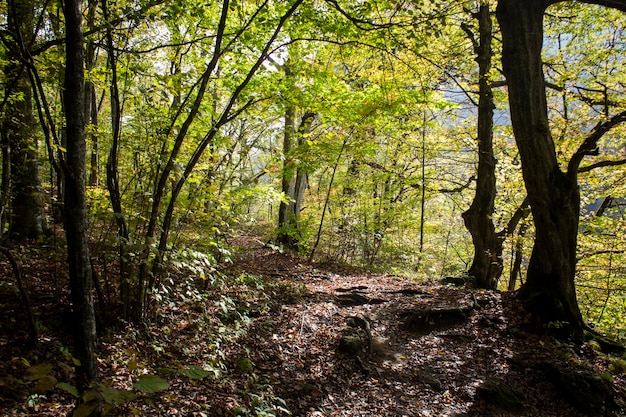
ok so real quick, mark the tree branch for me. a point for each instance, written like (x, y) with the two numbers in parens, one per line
(590, 144)
(613, 4)
(359, 23)
(599, 252)
(458, 189)
(602, 164)
(32, 327)
(521, 213)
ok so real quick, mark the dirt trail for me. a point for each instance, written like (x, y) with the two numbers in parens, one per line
(429, 350)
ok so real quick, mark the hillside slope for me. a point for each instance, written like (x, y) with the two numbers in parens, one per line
(278, 335)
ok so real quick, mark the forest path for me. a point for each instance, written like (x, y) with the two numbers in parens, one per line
(359, 344)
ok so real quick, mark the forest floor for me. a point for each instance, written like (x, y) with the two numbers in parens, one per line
(279, 335)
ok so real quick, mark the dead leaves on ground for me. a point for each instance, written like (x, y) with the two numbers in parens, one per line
(267, 344)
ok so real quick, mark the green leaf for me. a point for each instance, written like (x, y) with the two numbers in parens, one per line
(245, 365)
(68, 388)
(133, 364)
(38, 371)
(117, 396)
(194, 372)
(85, 409)
(151, 383)
(45, 383)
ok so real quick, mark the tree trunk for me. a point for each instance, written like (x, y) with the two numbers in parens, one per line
(5, 194)
(286, 211)
(91, 104)
(27, 216)
(517, 258)
(302, 174)
(294, 177)
(549, 291)
(75, 209)
(112, 171)
(487, 265)
(148, 278)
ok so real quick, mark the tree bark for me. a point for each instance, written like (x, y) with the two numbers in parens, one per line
(286, 211)
(112, 164)
(487, 264)
(294, 179)
(75, 209)
(302, 174)
(549, 291)
(91, 105)
(27, 216)
(517, 259)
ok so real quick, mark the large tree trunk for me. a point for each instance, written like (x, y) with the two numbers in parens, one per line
(286, 211)
(27, 216)
(487, 265)
(549, 291)
(75, 209)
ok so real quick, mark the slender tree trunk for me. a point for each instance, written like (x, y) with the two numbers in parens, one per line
(422, 193)
(112, 173)
(517, 258)
(75, 209)
(549, 291)
(91, 105)
(487, 265)
(327, 200)
(5, 193)
(32, 326)
(27, 216)
(148, 277)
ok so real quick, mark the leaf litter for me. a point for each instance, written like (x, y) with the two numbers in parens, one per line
(269, 343)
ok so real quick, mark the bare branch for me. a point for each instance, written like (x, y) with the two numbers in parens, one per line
(602, 164)
(359, 23)
(599, 252)
(522, 212)
(590, 144)
(613, 4)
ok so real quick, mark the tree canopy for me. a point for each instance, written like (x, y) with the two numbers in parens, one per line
(478, 140)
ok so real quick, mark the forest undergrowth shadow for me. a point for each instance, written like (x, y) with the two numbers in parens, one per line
(287, 336)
